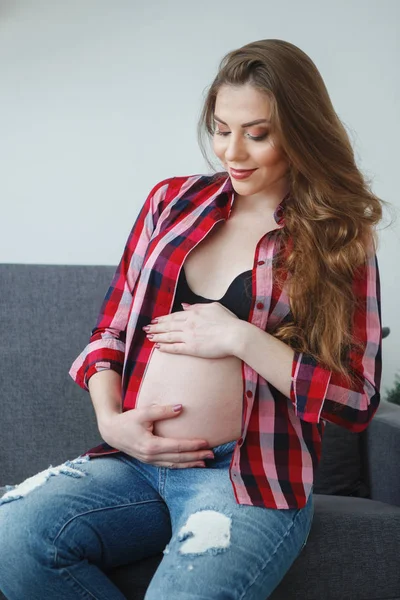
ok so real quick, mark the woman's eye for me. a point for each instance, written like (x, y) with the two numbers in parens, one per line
(257, 138)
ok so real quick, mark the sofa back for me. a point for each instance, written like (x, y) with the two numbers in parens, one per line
(47, 313)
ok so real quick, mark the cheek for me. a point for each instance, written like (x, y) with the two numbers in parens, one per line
(270, 157)
(218, 147)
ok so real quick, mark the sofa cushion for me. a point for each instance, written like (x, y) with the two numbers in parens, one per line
(366, 530)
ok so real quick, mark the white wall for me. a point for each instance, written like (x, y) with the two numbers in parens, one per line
(100, 100)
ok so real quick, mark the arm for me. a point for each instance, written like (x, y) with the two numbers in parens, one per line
(105, 393)
(318, 393)
(106, 347)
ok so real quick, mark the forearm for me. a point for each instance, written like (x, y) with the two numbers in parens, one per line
(105, 393)
(267, 355)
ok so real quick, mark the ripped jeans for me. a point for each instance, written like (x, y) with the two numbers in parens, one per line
(60, 530)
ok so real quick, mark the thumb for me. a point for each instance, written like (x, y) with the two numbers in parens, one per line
(157, 412)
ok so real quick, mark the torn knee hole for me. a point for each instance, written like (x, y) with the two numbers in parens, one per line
(21, 490)
(205, 531)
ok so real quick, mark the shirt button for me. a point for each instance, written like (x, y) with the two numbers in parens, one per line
(260, 305)
(261, 262)
(249, 394)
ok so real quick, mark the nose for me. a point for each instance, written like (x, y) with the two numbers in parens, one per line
(235, 150)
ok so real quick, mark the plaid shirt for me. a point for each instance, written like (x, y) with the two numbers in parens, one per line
(274, 461)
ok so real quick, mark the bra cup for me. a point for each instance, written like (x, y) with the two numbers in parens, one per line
(237, 298)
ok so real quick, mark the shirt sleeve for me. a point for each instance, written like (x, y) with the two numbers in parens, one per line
(106, 347)
(320, 394)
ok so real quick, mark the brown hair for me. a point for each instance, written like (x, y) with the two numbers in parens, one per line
(331, 212)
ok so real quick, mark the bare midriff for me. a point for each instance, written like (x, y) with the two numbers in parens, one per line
(210, 390)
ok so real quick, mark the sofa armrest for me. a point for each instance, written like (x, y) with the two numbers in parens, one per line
(382, 448)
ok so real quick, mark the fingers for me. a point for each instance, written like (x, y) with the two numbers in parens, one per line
(153, 453)
(168, 452)
(160, 445)
(184, 457)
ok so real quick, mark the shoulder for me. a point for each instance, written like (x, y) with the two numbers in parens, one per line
(180, 185)
(183, 190)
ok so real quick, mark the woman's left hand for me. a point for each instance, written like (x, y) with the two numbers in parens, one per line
(204, 330)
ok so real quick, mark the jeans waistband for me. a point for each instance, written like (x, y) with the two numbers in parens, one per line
(223, 449)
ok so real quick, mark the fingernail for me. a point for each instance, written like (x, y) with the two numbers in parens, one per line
(177, 407)
(209, 455)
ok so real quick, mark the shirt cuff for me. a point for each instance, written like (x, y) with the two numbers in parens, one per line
(308, 387)
(101, 366)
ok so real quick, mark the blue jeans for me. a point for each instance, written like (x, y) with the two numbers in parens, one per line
(59, 531)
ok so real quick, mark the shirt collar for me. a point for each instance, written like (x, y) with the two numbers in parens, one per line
(279, 211)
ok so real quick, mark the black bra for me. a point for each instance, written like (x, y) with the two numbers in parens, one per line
(237, 298)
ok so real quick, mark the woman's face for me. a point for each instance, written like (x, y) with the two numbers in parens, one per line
(239, 145)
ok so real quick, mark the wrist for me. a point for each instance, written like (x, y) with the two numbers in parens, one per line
(239, 337)
(106, 423)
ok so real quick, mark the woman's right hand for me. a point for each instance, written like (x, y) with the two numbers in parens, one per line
(132, 433)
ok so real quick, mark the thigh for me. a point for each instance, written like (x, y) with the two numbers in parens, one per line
(220, 549)
(101, 509)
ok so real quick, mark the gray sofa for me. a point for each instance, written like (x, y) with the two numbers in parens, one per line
(46, 316)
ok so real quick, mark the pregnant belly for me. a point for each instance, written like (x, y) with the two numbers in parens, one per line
(210, 390)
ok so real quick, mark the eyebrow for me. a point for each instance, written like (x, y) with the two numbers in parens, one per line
(244, 124)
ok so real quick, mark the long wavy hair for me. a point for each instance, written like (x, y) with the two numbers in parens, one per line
(331, 214)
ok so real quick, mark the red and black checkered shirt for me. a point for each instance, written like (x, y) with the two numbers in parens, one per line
(274, 462)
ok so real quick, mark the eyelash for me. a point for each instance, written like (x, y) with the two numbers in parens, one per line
(258, 138)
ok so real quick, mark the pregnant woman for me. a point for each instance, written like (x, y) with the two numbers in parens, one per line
(244, 314)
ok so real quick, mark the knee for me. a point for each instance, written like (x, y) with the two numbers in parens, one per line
(205, 531)
(30, 511)
(43, 534)
(23, 544)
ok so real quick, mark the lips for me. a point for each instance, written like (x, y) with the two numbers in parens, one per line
(241, 173)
